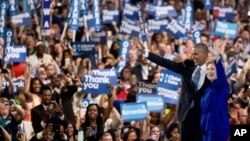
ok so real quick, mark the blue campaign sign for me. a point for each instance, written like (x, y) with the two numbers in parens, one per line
(208, 4)
(224, 13)
(134, 111)
(196, 36)
(83, 8)
(31, 6)
(74, 15)
(157, 26)
(226, 29)
(84, 48)
(99, 37)
(168, 86)
(13, 9)
(232, 67)
(150, 8)
(90, 21)
(8, 38)
(162, 12)
(130, 12)
(46, 18)
(22, 19)
(108, 16)
(188, 17)
(97, 17)
(123, 52)
(155, 103)
(175, 29)
(3, 14)
(18, 83)
(146, 87)
(16, 53)
(98, 82)
(130, 28)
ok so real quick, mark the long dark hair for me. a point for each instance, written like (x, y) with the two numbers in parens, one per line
(114, 52)
(32, 82)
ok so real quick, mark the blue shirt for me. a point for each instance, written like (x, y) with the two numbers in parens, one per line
(214, 106)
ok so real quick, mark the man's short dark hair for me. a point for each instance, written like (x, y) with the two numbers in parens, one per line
(202, 47)
(45, 87)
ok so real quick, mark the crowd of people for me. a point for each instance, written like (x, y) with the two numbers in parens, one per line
(49, 105)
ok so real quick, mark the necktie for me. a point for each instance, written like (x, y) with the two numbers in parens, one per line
(196, 78)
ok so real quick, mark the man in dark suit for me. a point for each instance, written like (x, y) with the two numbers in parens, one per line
(47, 112)
(193, 84)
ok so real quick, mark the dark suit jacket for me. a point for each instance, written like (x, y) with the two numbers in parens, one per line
(185, 69)
(37, 114)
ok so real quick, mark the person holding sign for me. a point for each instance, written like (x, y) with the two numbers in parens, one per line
(214, 106)
(193, 84)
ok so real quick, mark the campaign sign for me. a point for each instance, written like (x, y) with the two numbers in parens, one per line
(188, 16)
(18, 83)
(96, 12)
(150, 8)
(226, 29)
(13, 7)
(84, 48)
(31, 6)
(16, 53)
(208, 4)
(22, 19)
(108, 16)
(196, 36)
(3, 13)
(146, 88)
(175, 29)
(123, 52)
(99, 37)
(83, 8)
(155, 103)
(134, 111)
(85, 104)
(74, 15)
(130, 29)
(98, 82)
(46, 18)
(162, 12)
(130, 12)
(224, 13)
(231, 68)
(90, 21)
(168, 86)
(8, 37)
(157, 26)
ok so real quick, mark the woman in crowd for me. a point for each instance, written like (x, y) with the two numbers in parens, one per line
(173, 132)
(93, 125)
(71, 131)
(214, 106)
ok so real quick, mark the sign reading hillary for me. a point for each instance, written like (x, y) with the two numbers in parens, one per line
(175, 29)
(224, 13)
(155, 103)
(108, 16)
(130, 12)
(197, 36)
(226, 29)
(16, 53)
(46, 18)
(146, 88)
(168, 86)
(13, 7)
(157, 26)
(74, 15)
(98, 82)
(96, 12)
(134, 111)
(123, 52)
(22, 19)
(3, 13)
(130, 28)
(208, 4)
(188, 16)
(99, 37)
(84, 48)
